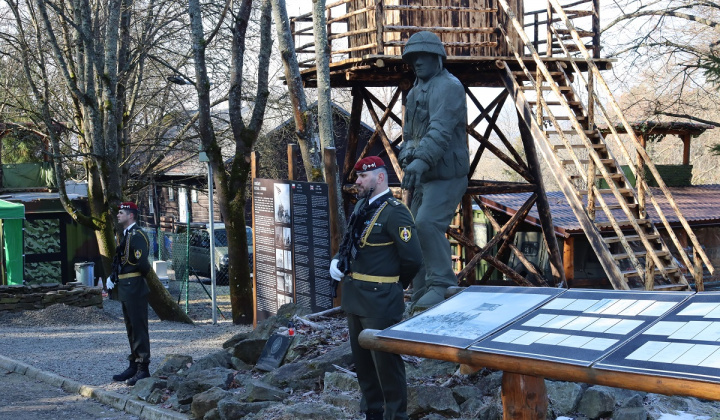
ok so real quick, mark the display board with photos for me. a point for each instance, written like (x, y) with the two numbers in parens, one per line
(292, 245)
(466, 317)
(685, 343)
(582, 325)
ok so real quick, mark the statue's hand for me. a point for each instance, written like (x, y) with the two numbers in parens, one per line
(406, 156)
(413, 173)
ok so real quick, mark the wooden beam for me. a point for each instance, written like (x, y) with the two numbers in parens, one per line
(353, 132)
(665, 385)
(543, 206)
(292, 153)
(381, 133)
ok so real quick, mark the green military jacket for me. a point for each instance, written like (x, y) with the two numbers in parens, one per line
(435, 127)
(388, 257)
(134, 265)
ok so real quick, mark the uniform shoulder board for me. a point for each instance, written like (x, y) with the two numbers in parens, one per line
(394, 201)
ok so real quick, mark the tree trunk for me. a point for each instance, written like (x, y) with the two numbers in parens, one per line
(325, 110)
(304, 122)
(162, 303)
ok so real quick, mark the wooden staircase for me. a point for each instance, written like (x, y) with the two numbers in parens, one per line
(562, 107)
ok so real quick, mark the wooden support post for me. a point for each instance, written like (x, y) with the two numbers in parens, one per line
(353, 131)
(380, 24)
(292, 153)
(469, 232)
(569, 260)
(253, 165)
(649, 279)
(640, 180)
(329, 159)
(698, 271)
(543, 206)
(524, 397)
(686, 149)
(596, 29)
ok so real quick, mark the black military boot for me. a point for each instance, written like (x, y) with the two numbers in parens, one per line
(127, 374)
(374, 415)
(142, 373)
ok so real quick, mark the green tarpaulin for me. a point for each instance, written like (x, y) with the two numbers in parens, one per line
(12, 216)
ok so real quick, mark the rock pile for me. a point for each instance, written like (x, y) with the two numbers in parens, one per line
(40, 296)
(316, 381)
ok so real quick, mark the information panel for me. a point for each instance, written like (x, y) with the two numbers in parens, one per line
(685, 343)
(581, 326)
(292, 245)
(471, 315)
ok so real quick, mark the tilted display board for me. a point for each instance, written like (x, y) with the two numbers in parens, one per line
(683, 344)
(581, 326)
(292, 246)
(471, 315)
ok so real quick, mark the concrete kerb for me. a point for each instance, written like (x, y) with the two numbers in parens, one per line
(122, 402)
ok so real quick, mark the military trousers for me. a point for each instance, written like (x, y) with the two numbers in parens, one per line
(433, 205)
(381, 375)
(135, 312)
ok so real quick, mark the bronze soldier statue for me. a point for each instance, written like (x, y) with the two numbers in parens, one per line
(436, 161)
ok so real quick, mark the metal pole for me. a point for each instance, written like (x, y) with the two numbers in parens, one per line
(212, 244)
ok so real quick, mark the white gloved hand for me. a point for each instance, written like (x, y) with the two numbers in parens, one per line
(109, 284)
(335, 272)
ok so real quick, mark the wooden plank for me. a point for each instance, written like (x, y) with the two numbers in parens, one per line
(666, 385)
(542, 204)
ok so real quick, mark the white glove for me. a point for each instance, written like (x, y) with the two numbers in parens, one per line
(109, 284)
(335, 272)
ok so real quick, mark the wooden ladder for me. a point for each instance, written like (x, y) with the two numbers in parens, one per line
(610, 210)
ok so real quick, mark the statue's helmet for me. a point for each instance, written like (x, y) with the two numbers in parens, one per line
(426, 42)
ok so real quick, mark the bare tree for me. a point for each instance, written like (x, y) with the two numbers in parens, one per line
(231, 180)
(85, 69)
(665, 45)
(304, 120)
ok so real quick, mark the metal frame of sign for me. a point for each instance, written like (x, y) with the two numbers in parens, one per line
(581, 326)
(467, 317)
(685, 343)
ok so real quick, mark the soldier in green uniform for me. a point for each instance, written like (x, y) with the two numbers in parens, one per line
(127, 284)
(383, 258)
(435, 159)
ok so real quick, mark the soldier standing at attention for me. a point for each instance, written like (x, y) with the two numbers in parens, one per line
(384, 256)
(130, 267)
(435, 159)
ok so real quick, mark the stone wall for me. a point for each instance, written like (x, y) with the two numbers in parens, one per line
(39, 296)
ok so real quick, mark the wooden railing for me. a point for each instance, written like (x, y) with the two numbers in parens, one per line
(584, 16)
(381, 27)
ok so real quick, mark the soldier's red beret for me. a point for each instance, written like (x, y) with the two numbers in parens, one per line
(128, 205)
(368, 164)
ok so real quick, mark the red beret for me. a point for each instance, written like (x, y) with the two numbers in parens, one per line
(368, 164)
(128, 205)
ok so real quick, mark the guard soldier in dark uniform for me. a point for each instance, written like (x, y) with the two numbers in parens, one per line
(379, 258)
(127, 284)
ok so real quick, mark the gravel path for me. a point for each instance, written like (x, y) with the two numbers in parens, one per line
(89, 345)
